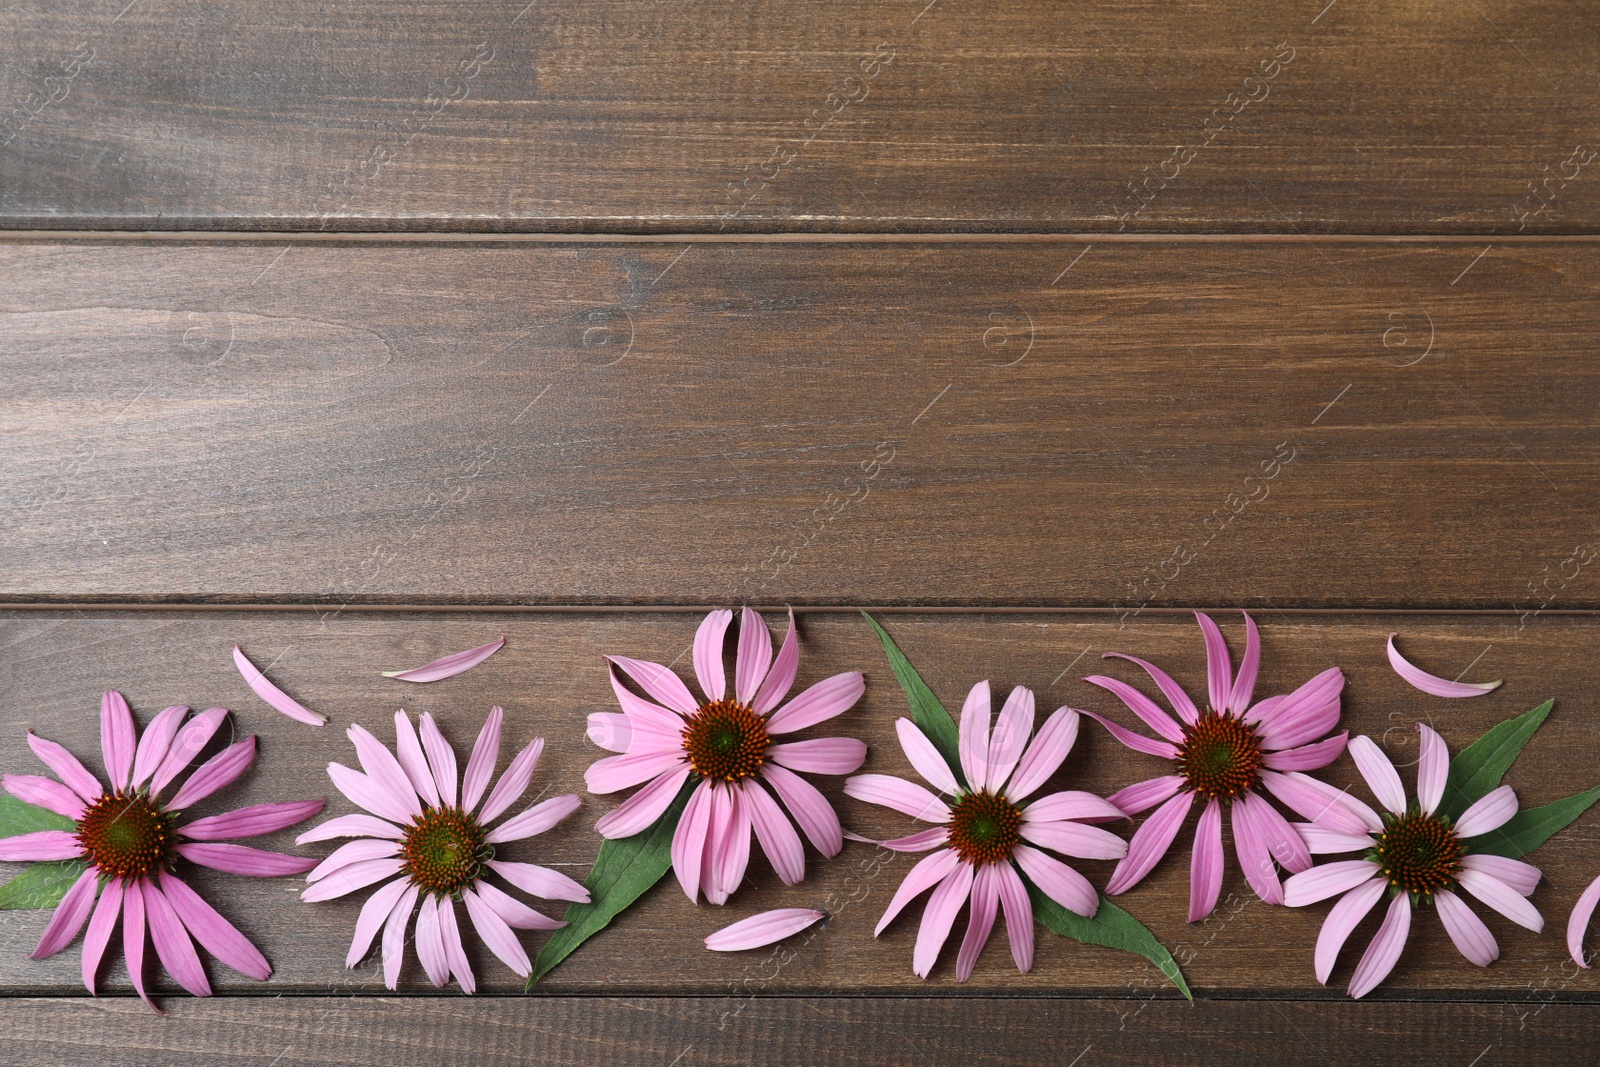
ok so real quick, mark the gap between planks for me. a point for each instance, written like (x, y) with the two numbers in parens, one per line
(316, 608)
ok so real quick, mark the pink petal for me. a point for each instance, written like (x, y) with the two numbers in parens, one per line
(215, 934)
(717, 831)
(1280, 838)
(441, 759)
(70, 915)
(359, 850)
(242, 859)
(365, 793)
(897, 793)
(497, 934)
(782, 675)
(1205, 866)
(350, 826)
(660, 683)
(928, 872)
(776, 836)
(985, 901)
(973, 737)
(374, 913)
(1384, 951)
(612, 774)
(385, 771)
(640, 811)
(1255, 860)
(1174, 693)
(156, 741)
(252, 821)
(1045, 754)
(1521, 877)
(516, 914)
(215, 773)
(708, 670)
(1308, 757)
(1489, 812)
(536, 820)
(1010, 737)
(610, 730)
(45, 793)
(448, 666)
(1071, 804)
(408, 750)
(1019, 915)
(430, 943)
(349, 879)
(753, 658)
(762, 929)
(1327, 880)
(1320, 802)
(67, 768)
(822, 755)
(940, 915)
(647, 720)
(1219, 665)
(480, 765)
(98, 935)
(1057, 881)
(133, 941)
(1466, 929)
(191, 739)
(117, 740)
(394, 936)
(1142, 706)
(925, 759)
(1075, 839)
(277, 698)
(1428, 683)
(1150, 842)
(540, 881)
(1381, 777)
(1137, 742)
(733, 857)
(1433, 766)
(810, 809)
(1578, 924)
(40, 845)
(1320, 841)
(1244, 683)
(921, 841)
(689, 840)
(513, 782)
(1141, 796)
(829, 697)
(1502, 898)
(454, 952)
(1304, 715)
(173, 946)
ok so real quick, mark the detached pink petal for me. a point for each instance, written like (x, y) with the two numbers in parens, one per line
(760, 930)
(215, 934)
(215, 773)
(45, 793)
(242, 859)
(1578, 923)
(263, 688)
(781, 677)
(1384, 951)
(1432, 684)
(753, 658)
(251, 822)
(67, 768)
(117, 739)
(70, 915)
(1468, 932)
(447, 666)
(708, 669)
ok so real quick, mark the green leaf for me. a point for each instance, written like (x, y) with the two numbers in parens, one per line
(19, 818)
(1527, 830)
(41, 885)
(926, 711)
(623, 870)
(1111, 927)
(1478, 768)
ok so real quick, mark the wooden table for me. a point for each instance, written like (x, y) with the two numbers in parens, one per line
(357, 333)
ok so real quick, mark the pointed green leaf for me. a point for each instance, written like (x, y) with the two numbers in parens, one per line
(926, 711)
(1527, 830)
(1479, 767)
(41, 885)
(1111, 927)
(623, 870)
(19, 818)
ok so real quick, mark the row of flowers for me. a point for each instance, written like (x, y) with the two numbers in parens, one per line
(714, 771)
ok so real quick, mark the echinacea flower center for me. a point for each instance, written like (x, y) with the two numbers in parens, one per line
(1418, 853)
(984, 827)
(444, 850)
(1220, 757)
(126, 836)
(726, 741)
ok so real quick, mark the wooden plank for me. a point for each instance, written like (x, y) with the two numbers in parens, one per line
(1133, 425)
(549, 677)
(823, 115)
(695, 1032)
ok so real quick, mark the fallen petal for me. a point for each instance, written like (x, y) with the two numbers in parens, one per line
(767, 928)
(449, 666)
(272, 694)
(1428, 683)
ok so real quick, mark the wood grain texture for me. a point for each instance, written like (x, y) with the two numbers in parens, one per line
(699, 1032)
(823, 115)
(1366, 425)
(550, 676)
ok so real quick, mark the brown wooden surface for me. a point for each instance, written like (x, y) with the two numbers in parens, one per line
(1366, 424)
(671, 117)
